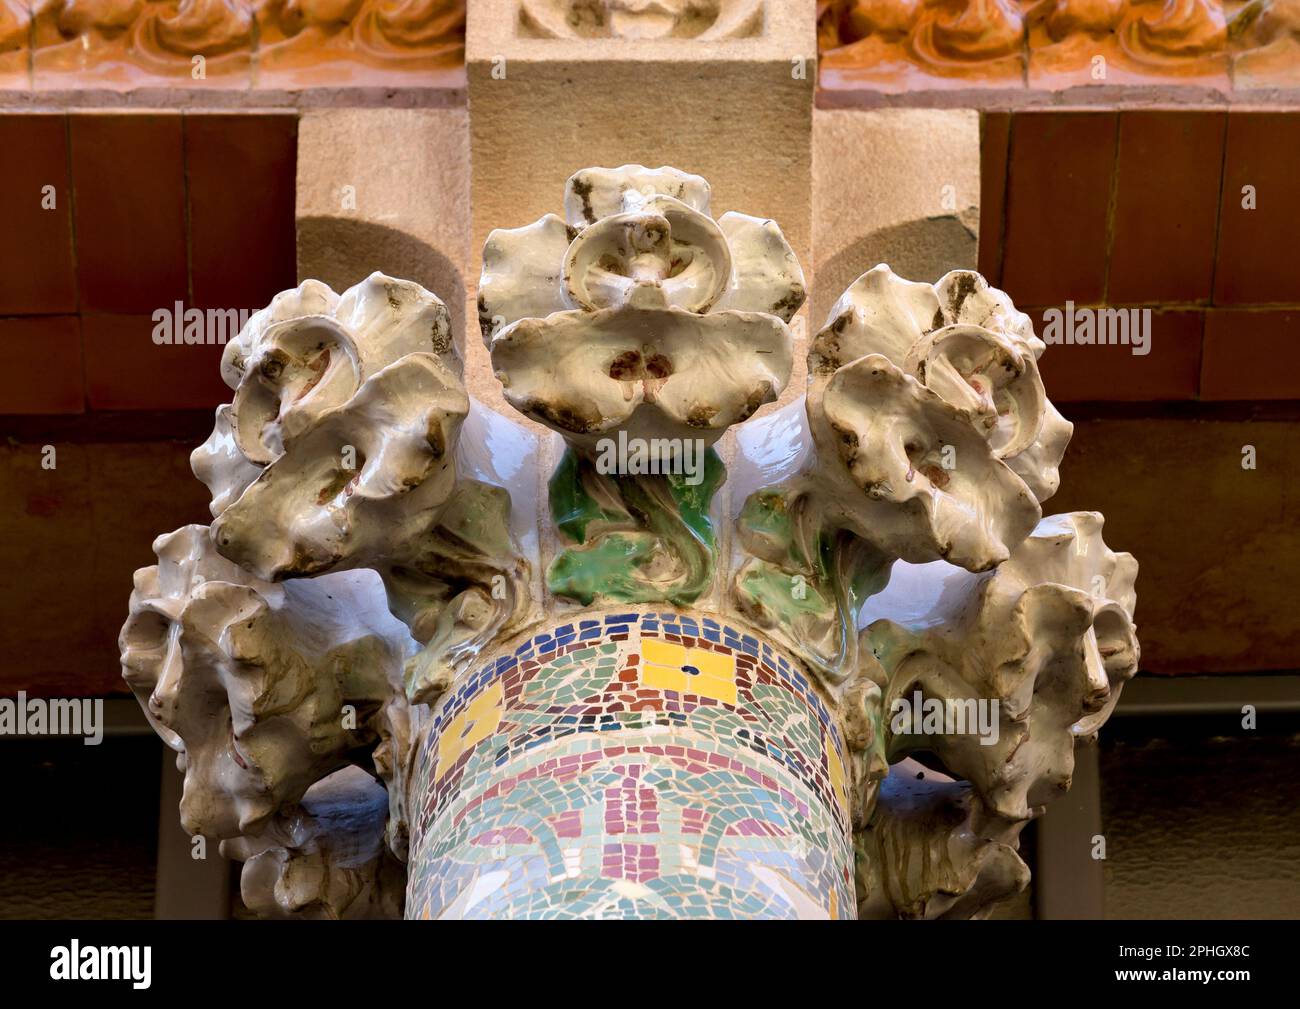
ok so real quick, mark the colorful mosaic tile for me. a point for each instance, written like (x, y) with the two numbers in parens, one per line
(642, 765)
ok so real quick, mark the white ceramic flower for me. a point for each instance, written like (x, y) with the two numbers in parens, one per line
(926, 855)
(1049, 635)
(639, 312)
(931, 397)
(339, 441)
(352, 489)
(310, 350)
(247, 680)
(929, 485)
(325, 857)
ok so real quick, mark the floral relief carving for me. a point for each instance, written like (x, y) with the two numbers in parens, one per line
(232, 43)
(15, 21)
(641, 19)
(133, 38)
(1054, 44)
(1265, 37)
(1178, 29)
(904, 43)
(15, 43)
(1137, 41)
(888, 45)
(314, 41)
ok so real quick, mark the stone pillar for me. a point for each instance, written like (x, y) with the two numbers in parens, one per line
(635, 764)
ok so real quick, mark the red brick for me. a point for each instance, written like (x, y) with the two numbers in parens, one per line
(1166, 206)
(126, 370)
(1256, 260)
(1251, 355)
(35, 243)
(1058, 201)
(1169, 371)
(72, 536)
(41, 370)
(995, 141)
(241, 170)
(128, 175)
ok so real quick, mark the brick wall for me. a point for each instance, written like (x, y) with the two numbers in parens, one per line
(1144, 208)
(147, 210)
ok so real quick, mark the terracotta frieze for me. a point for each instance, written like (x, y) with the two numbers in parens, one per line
(895, 46)
(123, 45)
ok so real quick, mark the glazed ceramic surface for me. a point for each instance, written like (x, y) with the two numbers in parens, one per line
(697, 688)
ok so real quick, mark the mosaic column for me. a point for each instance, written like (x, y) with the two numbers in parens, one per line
(634, 765)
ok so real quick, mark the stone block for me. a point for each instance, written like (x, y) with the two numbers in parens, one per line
(895, 186)
(388, 190)
(736, 109)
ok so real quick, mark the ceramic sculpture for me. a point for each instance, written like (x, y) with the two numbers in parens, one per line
(832, 676)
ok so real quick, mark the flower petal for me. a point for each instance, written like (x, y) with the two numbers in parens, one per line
(966, 297)
(587, 373)
(298, 370)
(988, 378)
(765, 275)
(880, 313)
(220, 464)
(319, 507)
(311, 297)
(672, 248)
(594, 193)
(933, 488)
(1039, 464)
(521, 274)
(390, 318)
(1049, 636)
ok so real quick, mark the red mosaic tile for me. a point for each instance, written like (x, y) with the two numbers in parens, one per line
(1255, 261)
(241, 170)
(129, 182)
(126, 370)
(1170, 370)
(995, 145)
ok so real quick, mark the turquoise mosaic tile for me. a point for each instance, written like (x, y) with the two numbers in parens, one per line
(643, 765)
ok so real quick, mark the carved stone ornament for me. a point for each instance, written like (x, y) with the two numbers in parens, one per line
(705, 20)
(838, 690)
